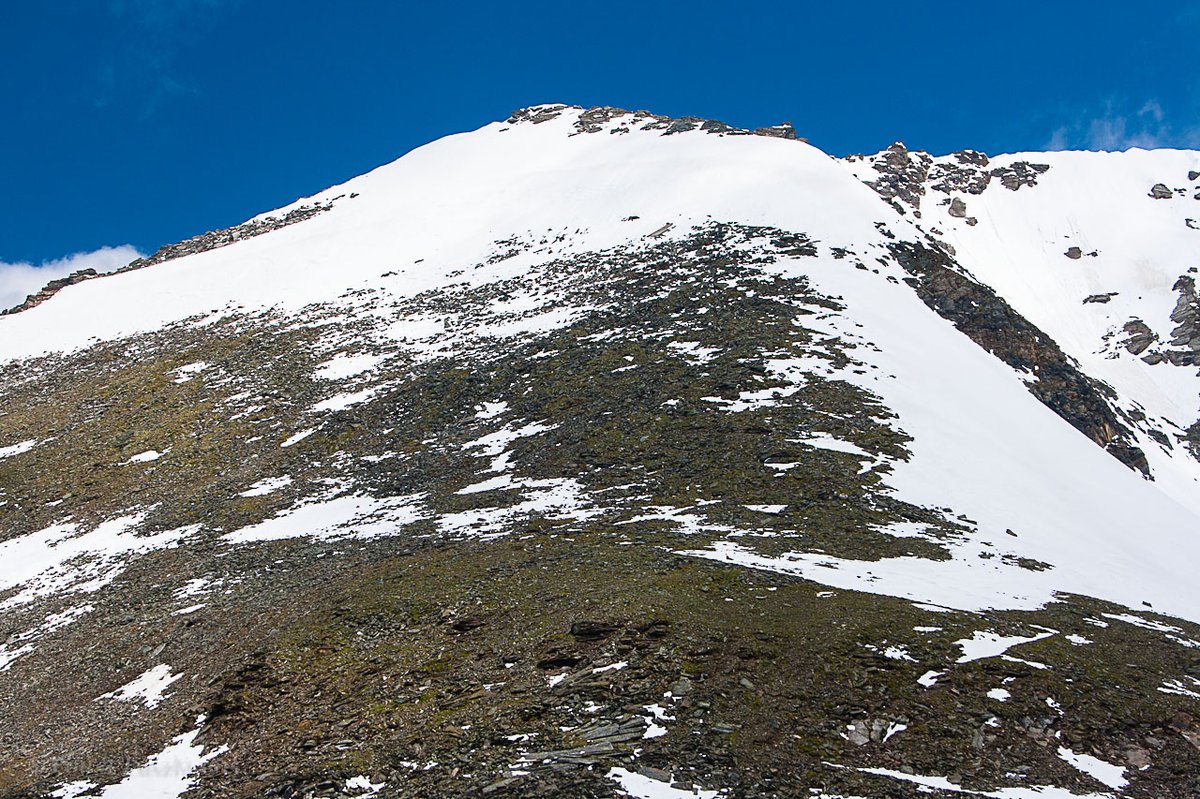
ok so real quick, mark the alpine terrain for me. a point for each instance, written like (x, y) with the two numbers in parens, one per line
(596, 453)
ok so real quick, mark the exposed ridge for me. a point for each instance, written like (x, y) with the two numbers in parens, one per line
(620, 120)
(202, 243)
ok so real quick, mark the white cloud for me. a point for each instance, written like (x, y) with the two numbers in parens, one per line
(19, 280)
(150, 76)
(1118, 133)
(1153, 109)
(1120, 128)
(1059, 139)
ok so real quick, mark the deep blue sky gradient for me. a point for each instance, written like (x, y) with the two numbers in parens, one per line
(148, 121)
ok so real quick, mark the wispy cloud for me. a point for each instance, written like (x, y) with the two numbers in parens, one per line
(143, 62)
(161, 14)
(19, 280)
(1119, 127)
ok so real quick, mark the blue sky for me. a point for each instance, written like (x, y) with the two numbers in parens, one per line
(143, 122)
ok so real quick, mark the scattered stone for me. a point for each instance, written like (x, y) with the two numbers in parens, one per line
(1074, 253)
(467, 623)
(1020, 173)
(1159, 191)
(220, 238)
(968, 175)
(901, 174)
(502, 783)
(593, 120)
(1136, 757)
(1186, 314)
(1139, 336)
(958, 208)
(1099, 298)
(536, 114)
(600, 118)
(863, 732)
(973, 157)
(784, 130)
(656, 774)
(593, 630)
(858, 733)
(559, 660)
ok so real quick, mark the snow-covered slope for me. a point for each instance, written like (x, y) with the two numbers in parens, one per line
(447, 204)
(641, 347)
(982, 446)
(1099, 250)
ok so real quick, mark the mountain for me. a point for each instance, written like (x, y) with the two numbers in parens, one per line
(599, 453)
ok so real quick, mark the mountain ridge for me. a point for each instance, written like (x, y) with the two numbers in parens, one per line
(573, 456)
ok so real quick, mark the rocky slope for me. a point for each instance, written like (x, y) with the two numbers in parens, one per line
(597, 453)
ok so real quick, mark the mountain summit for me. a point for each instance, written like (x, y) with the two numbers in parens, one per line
(600, 453)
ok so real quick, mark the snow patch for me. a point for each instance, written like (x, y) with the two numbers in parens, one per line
(346, 365)
(1111, 775)
(185, 373)
(62, 558)
(145, 457)
(350, 516)
(927, 782)
(17, 449)
(490, 410)
(772, 509)
(363, 787)
(340, 402)
(640, 786)
(149, 688)
(266, 486)
(21, 644)
(298, 437)
(694, 352)
(989, 644)
(494, 443)
(166, 775)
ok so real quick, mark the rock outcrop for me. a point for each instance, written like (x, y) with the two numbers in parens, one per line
(50, 289)
(620, 120)
(992, 324)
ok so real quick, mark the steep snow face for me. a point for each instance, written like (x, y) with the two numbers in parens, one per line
(1022, 482)
(406, 226)
(1099, 250)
